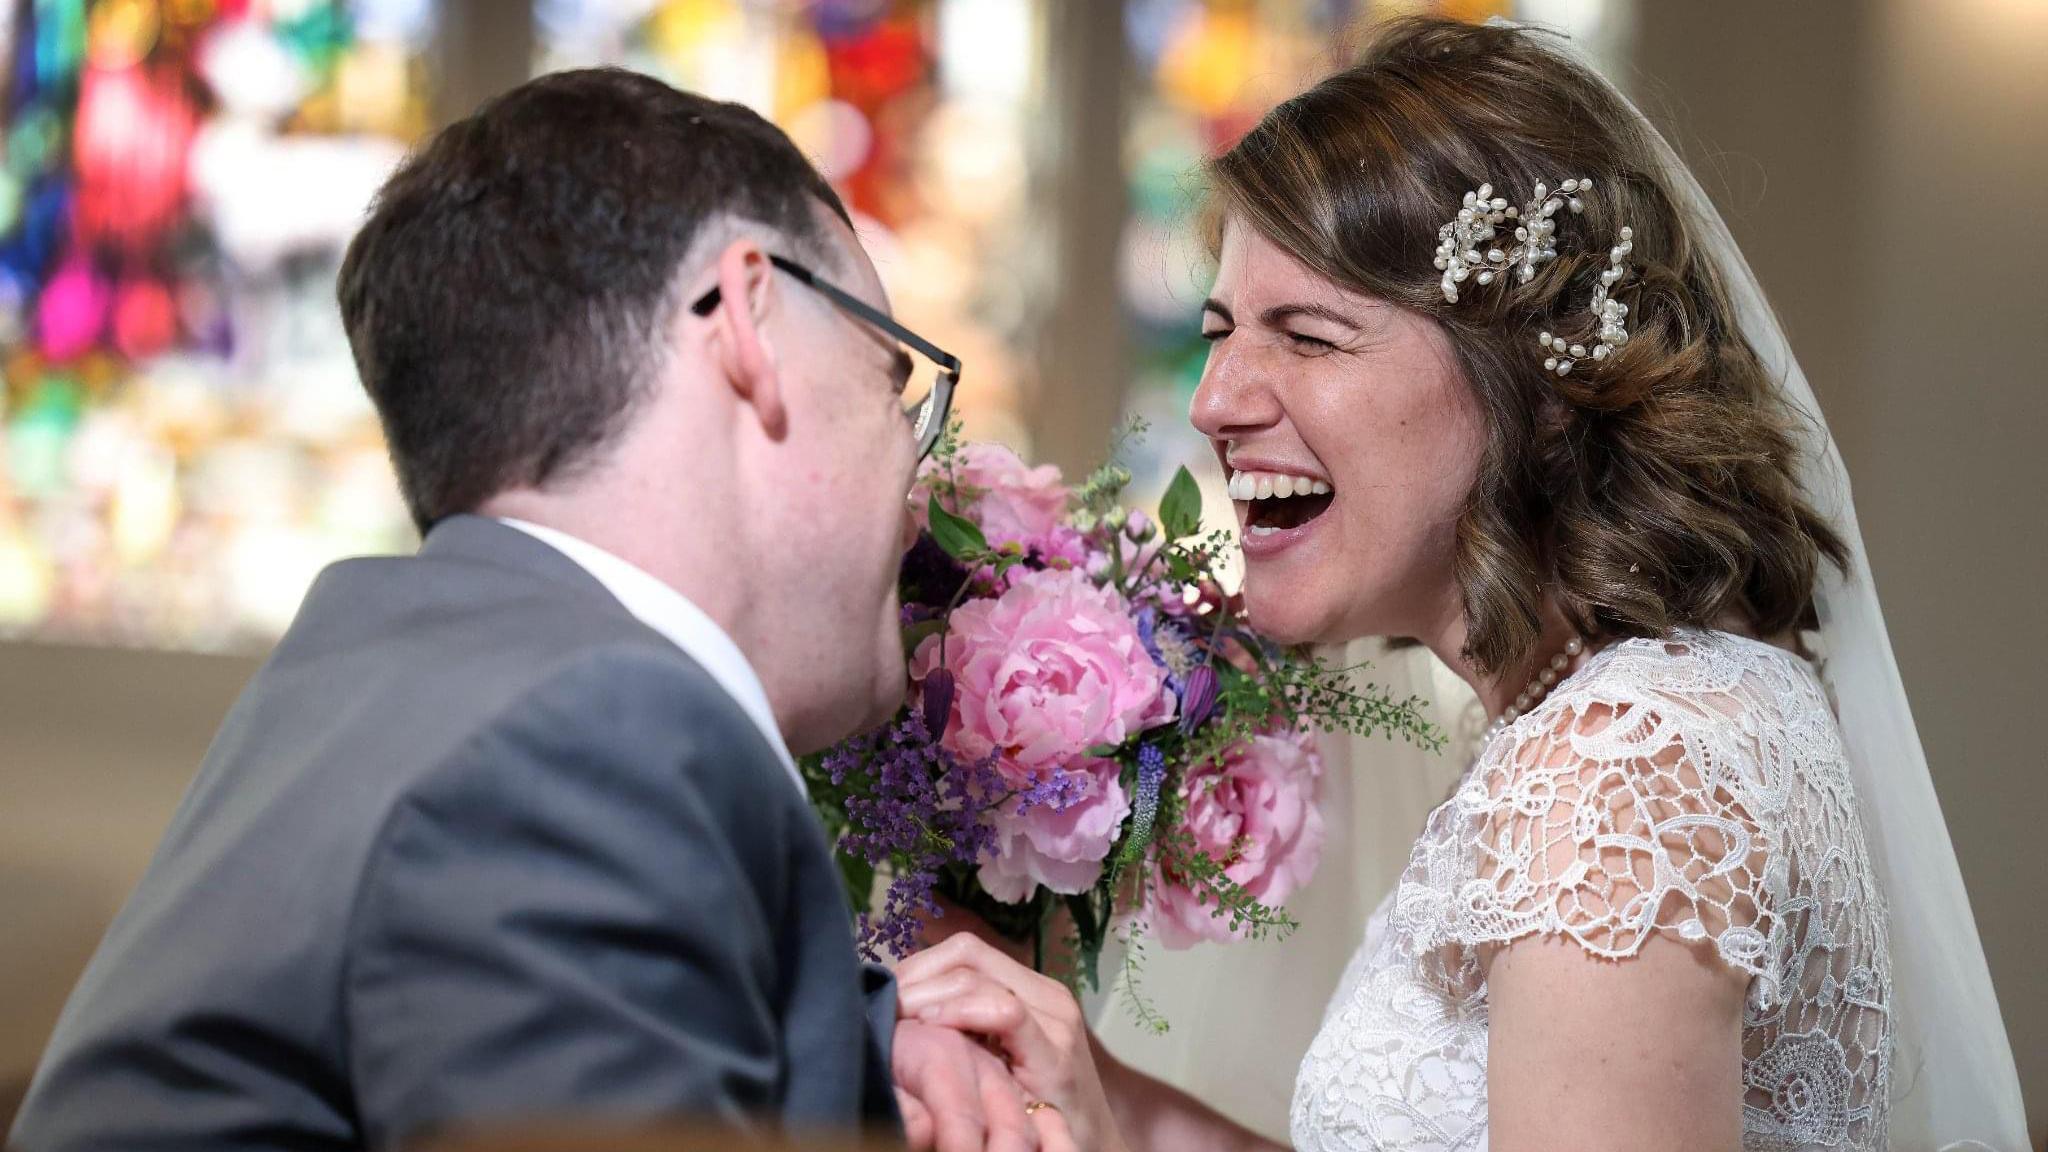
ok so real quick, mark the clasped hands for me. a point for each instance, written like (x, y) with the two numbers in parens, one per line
(992, 1055)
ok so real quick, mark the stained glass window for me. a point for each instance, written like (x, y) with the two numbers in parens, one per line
(185, 442)
(918, 111)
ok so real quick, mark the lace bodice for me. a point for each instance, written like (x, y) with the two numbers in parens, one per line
(1696, 787)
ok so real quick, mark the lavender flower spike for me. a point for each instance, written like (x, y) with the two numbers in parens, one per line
(1197, 698)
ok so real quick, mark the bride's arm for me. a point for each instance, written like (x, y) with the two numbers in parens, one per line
(1156, 1117)
(1616, 1033)
(1642, 1054)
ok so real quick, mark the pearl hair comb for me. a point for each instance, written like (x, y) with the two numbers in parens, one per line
(1466, 250)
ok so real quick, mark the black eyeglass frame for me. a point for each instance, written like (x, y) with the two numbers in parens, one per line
(928, 425)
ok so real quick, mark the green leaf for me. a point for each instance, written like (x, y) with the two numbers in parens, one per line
(1180, 510)
(960, 537)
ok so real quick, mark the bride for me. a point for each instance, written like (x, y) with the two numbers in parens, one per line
(1675, 902)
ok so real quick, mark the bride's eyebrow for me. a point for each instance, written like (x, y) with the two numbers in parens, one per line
(1214, 307)
(1279, 314)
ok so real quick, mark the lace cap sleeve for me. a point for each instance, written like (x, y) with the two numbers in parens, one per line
(1607, 816)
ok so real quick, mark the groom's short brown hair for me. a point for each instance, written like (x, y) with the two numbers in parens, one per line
(506, 299)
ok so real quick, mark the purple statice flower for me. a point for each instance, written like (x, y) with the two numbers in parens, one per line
(913, 806)
(909, 901)
(1058, 790)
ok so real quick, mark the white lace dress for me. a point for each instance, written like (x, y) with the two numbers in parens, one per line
(1695, 787)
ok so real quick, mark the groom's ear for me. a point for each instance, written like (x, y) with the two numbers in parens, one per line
(739, 341)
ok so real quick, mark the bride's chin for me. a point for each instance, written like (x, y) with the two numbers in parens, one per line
(1285, 621)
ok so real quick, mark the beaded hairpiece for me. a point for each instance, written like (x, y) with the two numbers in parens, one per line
(1465, 250)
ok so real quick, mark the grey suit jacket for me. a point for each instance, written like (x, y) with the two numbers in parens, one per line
(475, 844)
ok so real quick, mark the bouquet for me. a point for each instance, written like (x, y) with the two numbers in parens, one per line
(1094, 741)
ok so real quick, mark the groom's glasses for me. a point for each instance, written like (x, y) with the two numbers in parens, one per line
(928, 389)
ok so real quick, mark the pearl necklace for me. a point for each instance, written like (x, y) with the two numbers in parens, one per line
(1538, 688)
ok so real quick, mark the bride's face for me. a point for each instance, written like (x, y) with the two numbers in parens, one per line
(1358, 407)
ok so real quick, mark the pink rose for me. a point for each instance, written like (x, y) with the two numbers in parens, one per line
(1060, 847)
(1256, 814)
(1045, 671)
(1010, 502)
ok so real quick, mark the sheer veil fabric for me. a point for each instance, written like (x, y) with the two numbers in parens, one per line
(1954, 1083)
(1243, 1016)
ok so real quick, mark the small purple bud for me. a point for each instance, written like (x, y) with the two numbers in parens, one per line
(938, 701)
(1197, 698)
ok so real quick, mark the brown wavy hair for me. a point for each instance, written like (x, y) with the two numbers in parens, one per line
(1649, 491)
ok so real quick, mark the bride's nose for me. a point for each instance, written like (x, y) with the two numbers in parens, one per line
(1234, 399)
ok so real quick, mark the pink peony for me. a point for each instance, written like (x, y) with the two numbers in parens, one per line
(1061, 848)
(1011, 502)
(1042, 673)
(1257, 815)
(1045, 671)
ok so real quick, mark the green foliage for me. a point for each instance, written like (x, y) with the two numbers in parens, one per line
(1180, 510)
(1140, 1008)
(1314, 692)
(959, 536)
(1181, 859)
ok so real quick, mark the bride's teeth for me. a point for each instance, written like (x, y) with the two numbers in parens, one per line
(1263, 530)
(1273, 486)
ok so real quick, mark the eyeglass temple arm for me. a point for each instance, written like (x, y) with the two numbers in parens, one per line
(861, 308)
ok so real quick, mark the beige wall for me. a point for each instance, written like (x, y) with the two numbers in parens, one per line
(1885, 165)
(95, 749)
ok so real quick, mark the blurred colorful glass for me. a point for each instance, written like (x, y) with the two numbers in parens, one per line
(179, 407)
(917, 111)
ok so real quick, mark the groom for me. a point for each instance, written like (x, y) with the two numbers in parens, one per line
(511, 828)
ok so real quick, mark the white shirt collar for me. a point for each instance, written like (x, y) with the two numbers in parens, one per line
(659, 606)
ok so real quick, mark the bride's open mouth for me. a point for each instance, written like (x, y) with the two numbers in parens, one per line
(1276, 508)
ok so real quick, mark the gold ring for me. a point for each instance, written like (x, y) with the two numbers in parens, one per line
(1032, 1107)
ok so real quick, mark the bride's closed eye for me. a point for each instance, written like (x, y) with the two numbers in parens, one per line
(1301, 341)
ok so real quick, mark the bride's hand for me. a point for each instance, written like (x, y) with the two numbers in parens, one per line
(965, 984)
